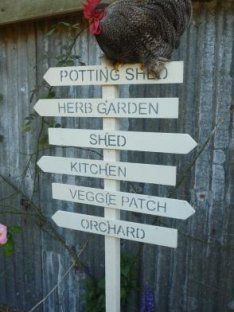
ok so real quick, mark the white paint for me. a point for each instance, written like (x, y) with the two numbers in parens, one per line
(115, 228)
(112, 245)
(120, 171)
(175, 143)
(118, 108)
(158, 206)
(107, 75)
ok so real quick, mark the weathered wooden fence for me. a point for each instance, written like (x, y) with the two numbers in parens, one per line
(199, 275)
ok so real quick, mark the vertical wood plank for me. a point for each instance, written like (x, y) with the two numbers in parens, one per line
(112, 245)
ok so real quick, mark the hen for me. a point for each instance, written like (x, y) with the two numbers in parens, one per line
(139, 31)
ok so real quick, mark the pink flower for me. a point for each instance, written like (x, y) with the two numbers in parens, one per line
(3, 234)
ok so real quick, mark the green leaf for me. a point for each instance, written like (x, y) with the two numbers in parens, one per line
(76, 26)
(101, 283)
(8, 250)
(51, 94)
(29, 118)
(15, 229)
(43, 141)
(1, 98)
(95, 289)
(65, 24)
(27, 129)
(50, 32)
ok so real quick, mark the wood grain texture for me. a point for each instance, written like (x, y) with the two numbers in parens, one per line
(112, 245)
(199, 275)
(24, 10)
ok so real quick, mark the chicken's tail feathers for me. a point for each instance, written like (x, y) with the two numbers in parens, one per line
(89, 7)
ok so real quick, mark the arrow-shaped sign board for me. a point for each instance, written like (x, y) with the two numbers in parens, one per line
(134, 172)
(108, 75)
(158, 206)
(121, 229)
(113, 108)
(175, 143)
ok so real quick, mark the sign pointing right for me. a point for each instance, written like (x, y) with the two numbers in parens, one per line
(175, 143)
(158, 206)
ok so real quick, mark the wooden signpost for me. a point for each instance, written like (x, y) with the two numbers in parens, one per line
(110, 107)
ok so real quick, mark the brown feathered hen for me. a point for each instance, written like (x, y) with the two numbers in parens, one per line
(139, 31)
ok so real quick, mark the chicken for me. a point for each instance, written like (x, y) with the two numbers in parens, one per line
(139, 31)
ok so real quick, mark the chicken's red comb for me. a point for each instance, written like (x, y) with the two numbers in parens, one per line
(89, 7)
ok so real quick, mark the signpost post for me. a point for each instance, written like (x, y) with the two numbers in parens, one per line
(110, 107)
(112, 244)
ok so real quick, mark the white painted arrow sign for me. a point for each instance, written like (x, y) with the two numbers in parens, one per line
(108, 75)
(158, 206)
(119, 108)
(157, 174)
(174, 143)
(121, 229)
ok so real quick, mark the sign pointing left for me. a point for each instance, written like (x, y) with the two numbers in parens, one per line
(113, 108)
(121, 171)
(108, 75)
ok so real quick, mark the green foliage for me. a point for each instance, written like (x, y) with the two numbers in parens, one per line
(51, 93)
(95, 289)
(28, 122)
(95, 295)
(1, 98)
(65, 58)
(43, 141)
(9, 247)
(128, 276)
(63, 26)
